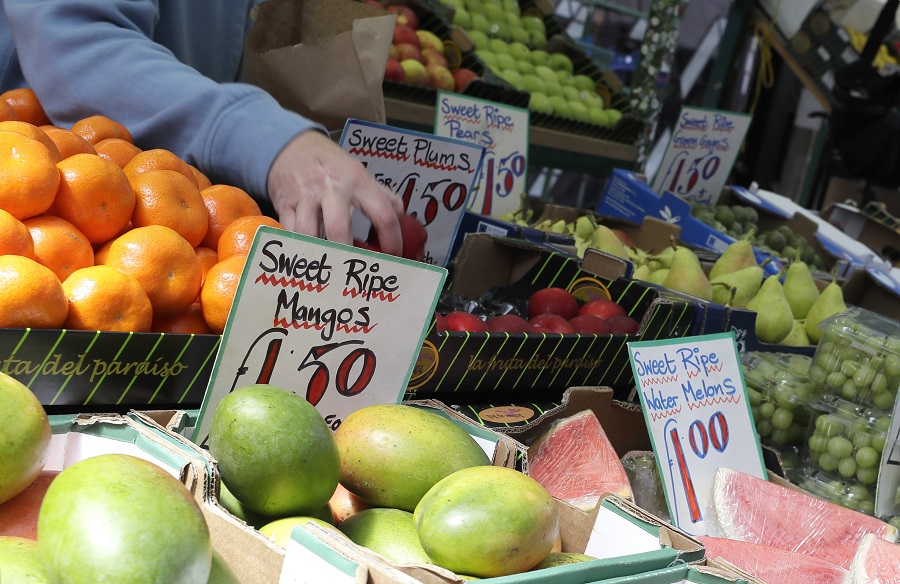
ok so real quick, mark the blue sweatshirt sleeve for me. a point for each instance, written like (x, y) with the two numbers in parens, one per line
(87, 57)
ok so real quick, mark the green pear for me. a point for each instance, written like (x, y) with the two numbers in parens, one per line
(737, 256)
(663, 259)
(829, 303)
(800, 289)
(686, 275)
(658, 276)
(797, 337)
(745, 281)
(558, 226)
(774, 319)
(641, 273)
(608, 242)
(584, 226)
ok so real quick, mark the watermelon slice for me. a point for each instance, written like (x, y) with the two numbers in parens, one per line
(876, 562)
(772, 564)
(575, 461)
(755, 510)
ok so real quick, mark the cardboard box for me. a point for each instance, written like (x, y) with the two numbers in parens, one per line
(874, 289)
(877, 236)
(467, 363)
(709, 572)
(477, 223)
(92, 371)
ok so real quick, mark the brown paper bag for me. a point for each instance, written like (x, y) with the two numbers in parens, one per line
(323, 59)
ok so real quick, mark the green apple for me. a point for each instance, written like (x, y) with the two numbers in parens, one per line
(462, 18)
(498, 46)
(533, 24)
(553, 88)
(561, 61)
(592, 99)
(579, 111)
(513, 20)
(584, 82)
(571, 93)
(563, 76)
(454, 3)
(506, 61)
(614, 116)
(540, 57)
(546, 73)
(596, 116)
(536, 39)
(534, 84)
(560, 106)
(500, 30)
(513, 77)
(520, 51)
(480, 22)
(539, 102)
(525, 67)
(494, 12)
(512, 7)
(520, 35)
(480, 39)
(488, 57)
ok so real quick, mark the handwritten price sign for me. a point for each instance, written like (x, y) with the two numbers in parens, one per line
(340, 326)
(433, 175)
(704, 145)
(696, 409)
(503, 131)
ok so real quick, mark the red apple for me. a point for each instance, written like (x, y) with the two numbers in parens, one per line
(551, 323)
(465, 321)
(374, 3)
(440, 322)
(439, 77)
(412, 233)
(601, 307)
(393, 71)
(394, 52)
(508, 323)
(430, 40)
(405, 16)
(404, 34)
(555, 300)
(433, 57)
(406, 52)
(462, 77)
(587, 324)
(621, 324)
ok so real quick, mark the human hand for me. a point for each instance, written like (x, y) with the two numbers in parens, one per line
(314, 186)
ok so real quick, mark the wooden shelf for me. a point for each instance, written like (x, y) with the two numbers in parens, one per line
(546, 147)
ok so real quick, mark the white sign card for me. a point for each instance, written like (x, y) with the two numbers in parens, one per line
(887, 490)
(695, 405)
(337, 325)
(434, 176)
(503, 131)
(698, 160)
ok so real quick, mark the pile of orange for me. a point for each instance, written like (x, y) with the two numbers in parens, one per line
(98, 234)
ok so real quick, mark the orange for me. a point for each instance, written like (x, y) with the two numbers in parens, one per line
(30, 295)
(208, 258)
(219, 289)
(6, 111)
(94, 195)
(29, 178)
(118, 150)
(96, 128)
(59, 245)
(238, 236)
(102, 298)
(224, 204)
(68, 143)
(159, 159)
(34, 133)
(166, 197)
(26, 105)
(15, 238)
(202, 180)
(189, 322)
(163, 262)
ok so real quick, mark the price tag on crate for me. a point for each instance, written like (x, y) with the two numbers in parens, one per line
(339, 326)
(698, 160)
(503, 131)
(433, 175)
(695, 405)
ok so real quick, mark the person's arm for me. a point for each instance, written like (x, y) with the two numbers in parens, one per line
(84, 57)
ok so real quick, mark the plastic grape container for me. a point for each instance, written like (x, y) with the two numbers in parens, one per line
(836, 489)
(779, 392)
(858, 359)
(847, 440)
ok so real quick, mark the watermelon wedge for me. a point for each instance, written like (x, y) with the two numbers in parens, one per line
(750, 509)
(575, 461)
(772, 564)
(876, 562)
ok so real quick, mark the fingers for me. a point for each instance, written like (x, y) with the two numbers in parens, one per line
(382, 207)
